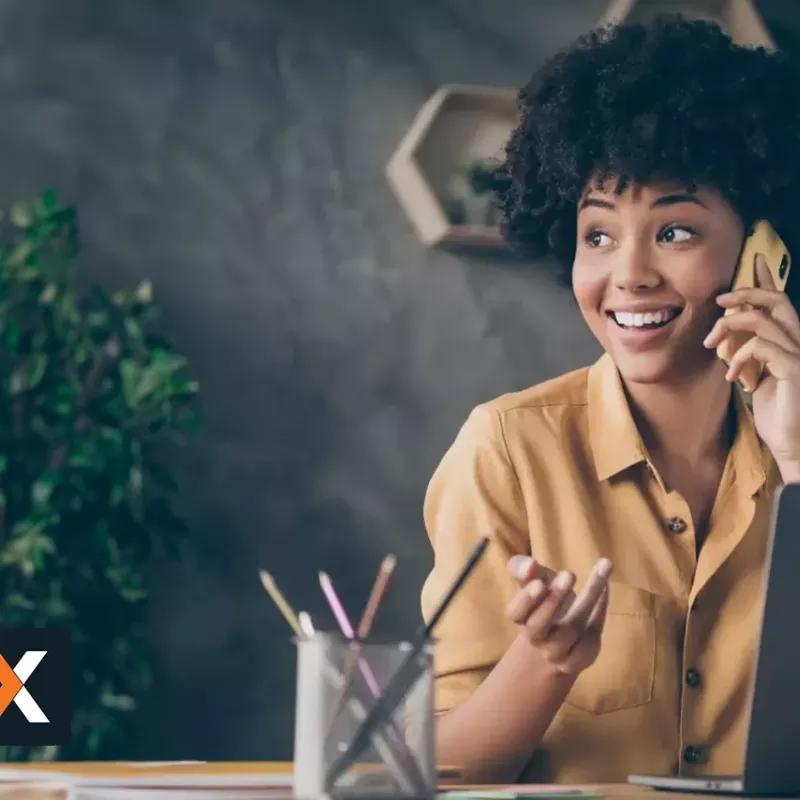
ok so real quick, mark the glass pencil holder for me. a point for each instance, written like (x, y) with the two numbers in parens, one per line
(364, 722)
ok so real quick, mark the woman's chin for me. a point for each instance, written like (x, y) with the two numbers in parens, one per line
(665, 367)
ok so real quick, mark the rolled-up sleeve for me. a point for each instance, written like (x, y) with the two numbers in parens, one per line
(473, 493)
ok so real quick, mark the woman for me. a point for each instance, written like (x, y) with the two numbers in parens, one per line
(642, 158)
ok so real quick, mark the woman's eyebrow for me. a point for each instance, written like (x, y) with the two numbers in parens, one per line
(596, 202)
(676, 199)
(665, 200)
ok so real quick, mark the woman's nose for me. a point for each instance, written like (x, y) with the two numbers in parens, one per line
(633, 269)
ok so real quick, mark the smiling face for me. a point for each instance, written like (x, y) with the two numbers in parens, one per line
(649, 263)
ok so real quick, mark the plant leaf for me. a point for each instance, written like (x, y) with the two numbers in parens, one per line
(21, 215)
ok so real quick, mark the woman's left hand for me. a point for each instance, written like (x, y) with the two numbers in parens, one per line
(775, 326)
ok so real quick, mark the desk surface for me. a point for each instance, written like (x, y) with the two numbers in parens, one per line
(10, 783)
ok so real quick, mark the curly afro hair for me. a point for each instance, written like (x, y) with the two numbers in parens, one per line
(673, 99)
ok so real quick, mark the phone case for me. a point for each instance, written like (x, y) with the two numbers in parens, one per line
(763, 240)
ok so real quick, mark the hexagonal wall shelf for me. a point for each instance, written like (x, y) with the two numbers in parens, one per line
(458, 129)
(739, 18)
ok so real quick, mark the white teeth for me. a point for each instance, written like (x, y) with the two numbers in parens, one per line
(628, 320)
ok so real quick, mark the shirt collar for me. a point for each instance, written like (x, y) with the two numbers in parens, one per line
(616, 443)
(615, 440)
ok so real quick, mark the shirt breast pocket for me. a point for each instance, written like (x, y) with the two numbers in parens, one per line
(623, 675)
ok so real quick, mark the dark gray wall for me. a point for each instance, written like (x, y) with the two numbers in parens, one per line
(233, 152)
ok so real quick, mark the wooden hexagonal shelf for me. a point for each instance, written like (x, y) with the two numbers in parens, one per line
(460, 130)
(739, 18)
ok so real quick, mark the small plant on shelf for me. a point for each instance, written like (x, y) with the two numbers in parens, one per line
(92, 401)
(470, 201)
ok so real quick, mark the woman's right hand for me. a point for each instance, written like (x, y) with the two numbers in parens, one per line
(564, 627)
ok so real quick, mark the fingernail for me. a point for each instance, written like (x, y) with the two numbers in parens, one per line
(518, 566)
(603, 568)
(562, 580)
(536, 589)
(707, 340)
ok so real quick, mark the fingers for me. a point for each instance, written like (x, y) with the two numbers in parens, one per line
(524, 569)
(519, 566)
(764, 279)
(541, 620)
(563, 626)
(598, 616)
(530, 597)
(525, 601)
(577, 658)
(587, 607)
(551, 613)
(781, 363)
(765, 297)
(587, 601)
(755, 322)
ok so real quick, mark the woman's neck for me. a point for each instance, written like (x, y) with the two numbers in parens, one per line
(688, 421)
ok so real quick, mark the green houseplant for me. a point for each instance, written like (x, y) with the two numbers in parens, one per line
(91, 402)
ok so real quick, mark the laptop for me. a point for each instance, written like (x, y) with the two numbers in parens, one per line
(771, 763)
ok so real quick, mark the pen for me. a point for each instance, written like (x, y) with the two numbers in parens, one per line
(376, 596)
(403, 679)
(347, 629)
(369, 676)
(302, 627)
(268, 582)
(365, 627)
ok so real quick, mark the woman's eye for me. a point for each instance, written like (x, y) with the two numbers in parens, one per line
(597, 239)
(676, 235)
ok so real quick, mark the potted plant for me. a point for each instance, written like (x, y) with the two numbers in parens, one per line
(468, 198)
(91, 401)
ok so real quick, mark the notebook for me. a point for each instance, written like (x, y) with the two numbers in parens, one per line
(152, 780)
(537, 791)
(156, 780)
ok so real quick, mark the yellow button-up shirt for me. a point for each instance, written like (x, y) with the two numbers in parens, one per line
(560, 471)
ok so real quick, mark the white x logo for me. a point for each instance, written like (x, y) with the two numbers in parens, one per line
(12, 687)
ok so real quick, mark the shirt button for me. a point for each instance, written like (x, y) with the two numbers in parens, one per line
(693, 754)
(692, 678)
(676, 525)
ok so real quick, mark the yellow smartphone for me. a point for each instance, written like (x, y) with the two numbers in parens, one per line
(764, 240)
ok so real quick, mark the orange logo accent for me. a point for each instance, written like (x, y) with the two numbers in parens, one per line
(10, 685)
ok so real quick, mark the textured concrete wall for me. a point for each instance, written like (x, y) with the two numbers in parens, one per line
(233, 152)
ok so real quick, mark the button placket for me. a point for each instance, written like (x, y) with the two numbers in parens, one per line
(693, 754)
(693, 732)
(676, 525)
(692, 678)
